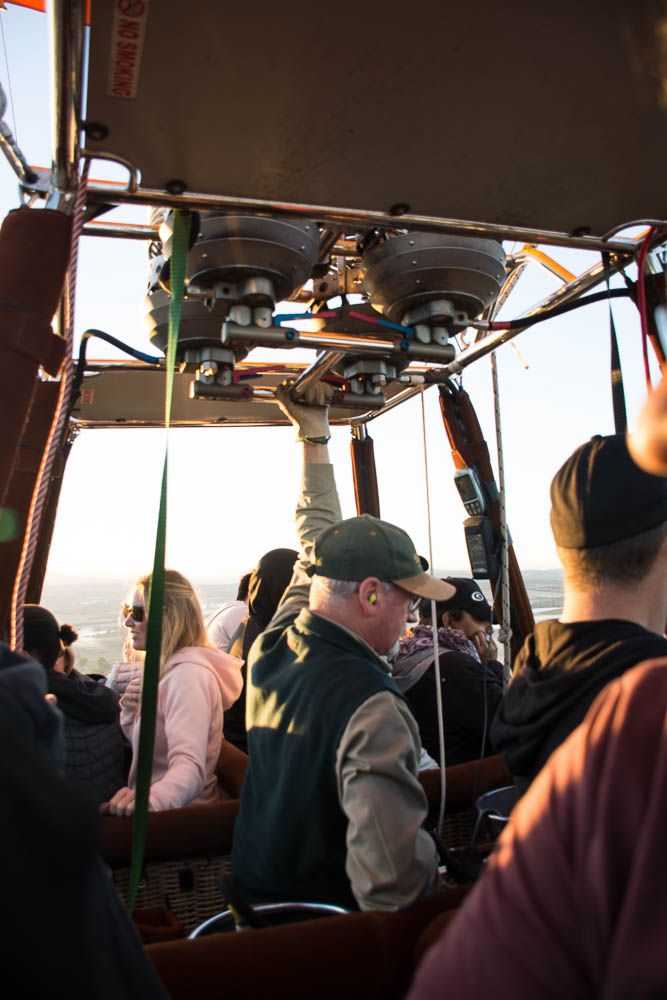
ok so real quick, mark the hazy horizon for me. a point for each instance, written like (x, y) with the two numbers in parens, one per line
(233, 576)
(92, 606)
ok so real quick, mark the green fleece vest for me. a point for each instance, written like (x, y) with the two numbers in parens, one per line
(305, 682)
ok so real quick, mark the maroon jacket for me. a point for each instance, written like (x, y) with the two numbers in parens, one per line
(573, 902)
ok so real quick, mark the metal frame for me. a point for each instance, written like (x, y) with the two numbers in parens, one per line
(10, 148)
(66, 28)
(67, 34)
(486, 344)
(351, 217)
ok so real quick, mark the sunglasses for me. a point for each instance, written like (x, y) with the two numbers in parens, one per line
(136, 611)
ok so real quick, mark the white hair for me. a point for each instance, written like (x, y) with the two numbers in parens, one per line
(323, 588)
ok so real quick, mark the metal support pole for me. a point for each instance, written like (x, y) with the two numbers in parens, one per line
(66, 24)
(319, 368)
(593, 276)
(9, 147)
(346, 218)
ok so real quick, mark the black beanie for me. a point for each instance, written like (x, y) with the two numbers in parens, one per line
(599, 496)
(42, 634)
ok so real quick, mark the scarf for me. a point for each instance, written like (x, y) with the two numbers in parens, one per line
(421, 637)
(416, 652)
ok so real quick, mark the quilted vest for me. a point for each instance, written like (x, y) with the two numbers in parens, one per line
(305, 682)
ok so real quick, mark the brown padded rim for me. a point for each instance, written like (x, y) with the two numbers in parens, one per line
(197, 829)
(361, 955)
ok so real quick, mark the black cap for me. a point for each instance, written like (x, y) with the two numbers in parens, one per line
(468, 597)
(599, 496)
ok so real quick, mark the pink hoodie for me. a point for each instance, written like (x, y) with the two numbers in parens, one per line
(198, 684)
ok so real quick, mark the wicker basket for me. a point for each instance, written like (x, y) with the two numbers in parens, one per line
(458, 826)
(185, 886)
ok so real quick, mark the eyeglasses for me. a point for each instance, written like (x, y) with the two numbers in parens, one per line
(136, 611)
(414, 599)
(414, 602)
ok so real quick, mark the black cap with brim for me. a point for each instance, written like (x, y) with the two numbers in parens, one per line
(365, 546)
(467, 597)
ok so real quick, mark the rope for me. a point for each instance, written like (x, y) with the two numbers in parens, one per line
(436, 651)
(54, 439)
(505, 634)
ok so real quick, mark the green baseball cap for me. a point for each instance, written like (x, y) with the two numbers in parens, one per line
(365, 546)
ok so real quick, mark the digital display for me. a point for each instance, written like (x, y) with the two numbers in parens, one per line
(470, 491)
(477, 555)
(480, 543)
(466, 488)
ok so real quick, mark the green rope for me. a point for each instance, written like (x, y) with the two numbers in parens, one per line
(156, 596)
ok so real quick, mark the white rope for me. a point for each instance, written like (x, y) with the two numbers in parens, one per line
(436, 651)
(505, 633)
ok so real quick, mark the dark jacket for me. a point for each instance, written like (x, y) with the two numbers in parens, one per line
(97, 755)
(63, 928)
(22, 691)
(557, 675)
(471, 693)
(267, 584)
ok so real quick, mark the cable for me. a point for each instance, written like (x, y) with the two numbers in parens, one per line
(9, 77)
(376, 321)
(406, 331)
(641, 300)
(512, 324)
(436, 651)
(101, 335)
(485, 724)
(148, 358)
(587, 300)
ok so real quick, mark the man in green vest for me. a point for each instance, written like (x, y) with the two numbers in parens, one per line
(331, 809)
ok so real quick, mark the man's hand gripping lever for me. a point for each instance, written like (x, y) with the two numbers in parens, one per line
(310, 416)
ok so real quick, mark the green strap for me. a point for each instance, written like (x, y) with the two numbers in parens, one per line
(156, 596)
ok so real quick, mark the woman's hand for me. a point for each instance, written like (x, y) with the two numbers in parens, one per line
(131, 700)
(482, 641)
(122, 804)
(123, 674)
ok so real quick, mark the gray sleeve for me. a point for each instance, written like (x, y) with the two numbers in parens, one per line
(391, 861)
(316, 509)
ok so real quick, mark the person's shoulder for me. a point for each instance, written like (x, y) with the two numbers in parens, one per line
(646, 682)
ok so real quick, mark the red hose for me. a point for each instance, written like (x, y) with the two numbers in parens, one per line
(641, 301)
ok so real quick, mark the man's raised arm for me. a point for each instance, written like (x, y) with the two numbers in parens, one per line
(318, 505)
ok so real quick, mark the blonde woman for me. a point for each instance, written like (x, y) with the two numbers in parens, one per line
(197, 683)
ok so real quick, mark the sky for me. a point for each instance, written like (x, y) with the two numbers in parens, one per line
(232, 490)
